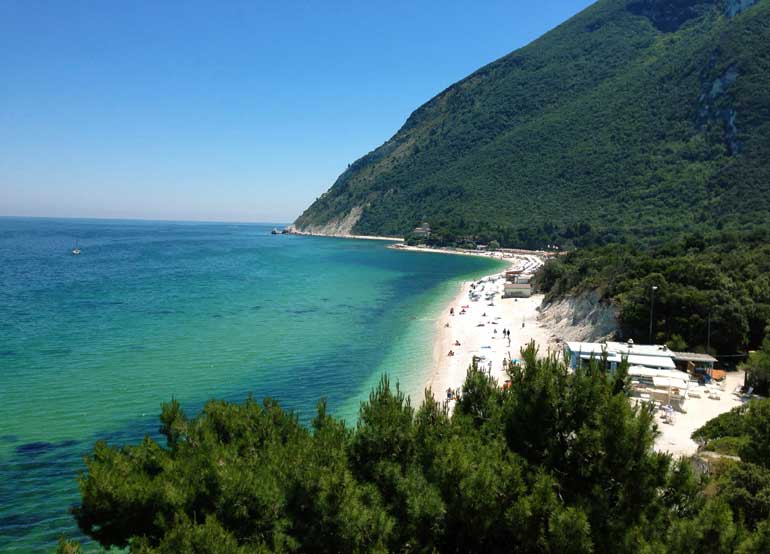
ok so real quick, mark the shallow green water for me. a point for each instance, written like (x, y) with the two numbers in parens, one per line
(90, 345)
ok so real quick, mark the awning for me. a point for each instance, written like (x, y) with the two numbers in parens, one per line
(666, 382)
(652, 361)
(641, 371)
(695, 357)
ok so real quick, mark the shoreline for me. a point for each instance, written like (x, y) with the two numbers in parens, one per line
(500, 253)
(344, 236)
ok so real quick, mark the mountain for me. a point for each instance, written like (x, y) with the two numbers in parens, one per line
(633, 118)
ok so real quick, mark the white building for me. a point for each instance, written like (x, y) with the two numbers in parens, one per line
(517, 290)
(653, 356)
(517, 284)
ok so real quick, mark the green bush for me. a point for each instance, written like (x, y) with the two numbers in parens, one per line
(727, 445)
(728, 424)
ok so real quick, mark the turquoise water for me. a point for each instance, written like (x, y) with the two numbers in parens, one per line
(90, 345)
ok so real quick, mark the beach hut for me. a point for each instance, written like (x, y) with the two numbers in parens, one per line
(517, 290)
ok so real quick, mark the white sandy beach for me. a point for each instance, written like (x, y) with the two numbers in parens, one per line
(480, 332)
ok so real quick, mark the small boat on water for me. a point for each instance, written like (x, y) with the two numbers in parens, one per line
(76, 250)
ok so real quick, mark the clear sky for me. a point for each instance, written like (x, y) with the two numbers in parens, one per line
(242, 111)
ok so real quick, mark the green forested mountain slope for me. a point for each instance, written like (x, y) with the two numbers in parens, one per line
(635, 116)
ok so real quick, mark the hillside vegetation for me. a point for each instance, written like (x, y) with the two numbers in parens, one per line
(713, 288)
(632, 119)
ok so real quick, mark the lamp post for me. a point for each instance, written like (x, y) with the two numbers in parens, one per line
(708, 333)
(652, 304)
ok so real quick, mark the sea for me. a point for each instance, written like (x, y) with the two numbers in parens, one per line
(91, 345)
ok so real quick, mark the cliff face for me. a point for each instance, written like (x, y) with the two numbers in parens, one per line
(638, 116)
(583, 317)
(341, 225)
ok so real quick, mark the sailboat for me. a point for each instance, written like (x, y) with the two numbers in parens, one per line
(76, 250)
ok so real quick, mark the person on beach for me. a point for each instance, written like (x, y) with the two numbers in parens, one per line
(451, 311)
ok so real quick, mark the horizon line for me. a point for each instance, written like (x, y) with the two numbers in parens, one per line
(144, 219)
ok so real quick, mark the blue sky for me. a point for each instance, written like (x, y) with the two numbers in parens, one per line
(240, 111)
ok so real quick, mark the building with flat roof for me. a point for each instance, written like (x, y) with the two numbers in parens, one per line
(517, 284)
(653, 356)
(517, 290)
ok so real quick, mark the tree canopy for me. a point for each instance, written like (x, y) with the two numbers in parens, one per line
(555, 462)
(713, 288)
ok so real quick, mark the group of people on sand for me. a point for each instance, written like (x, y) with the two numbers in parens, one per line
(452, 394)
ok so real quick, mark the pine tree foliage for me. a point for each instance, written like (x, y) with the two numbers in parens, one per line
(557, 462)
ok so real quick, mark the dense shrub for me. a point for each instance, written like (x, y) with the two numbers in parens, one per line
(557, 462)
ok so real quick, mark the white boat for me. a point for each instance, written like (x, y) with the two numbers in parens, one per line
(76, 250)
